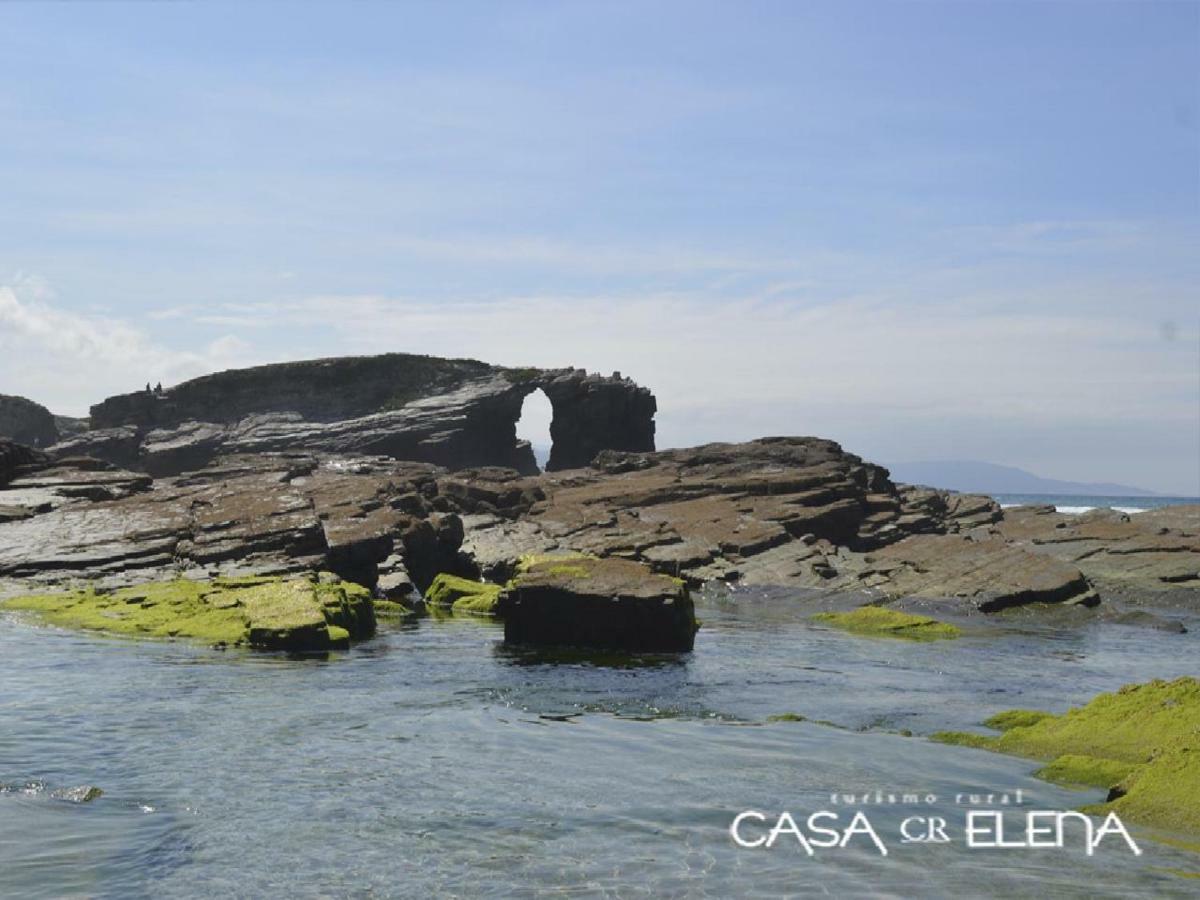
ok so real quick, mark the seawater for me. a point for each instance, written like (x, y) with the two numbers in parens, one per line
(1083, 503)
(432, 761)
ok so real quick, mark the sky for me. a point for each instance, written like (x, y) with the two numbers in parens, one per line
(962, 230)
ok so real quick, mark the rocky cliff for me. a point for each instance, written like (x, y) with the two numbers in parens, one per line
(27, 422)
(454, 413)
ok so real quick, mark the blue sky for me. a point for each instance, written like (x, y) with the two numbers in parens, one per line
(963, 230)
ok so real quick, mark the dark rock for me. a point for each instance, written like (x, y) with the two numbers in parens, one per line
(26, 422)
(455, 413)
(609, 604)
(16, 458)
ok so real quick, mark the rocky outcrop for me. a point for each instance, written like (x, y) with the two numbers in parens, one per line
(778, 511)
(298, 615)
(26, 422)
(16, 458)
(604, 604)
(796, 511)
(455, 413)
(283, 514)
(1156, 551)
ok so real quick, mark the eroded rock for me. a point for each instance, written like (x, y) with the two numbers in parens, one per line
(608, 604)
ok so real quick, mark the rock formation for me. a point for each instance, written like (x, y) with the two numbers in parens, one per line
(455, 413)
(27, 422)
(605, 604)
(246, 474)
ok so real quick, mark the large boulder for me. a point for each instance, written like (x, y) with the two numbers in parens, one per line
(26, 422)
(606, 604)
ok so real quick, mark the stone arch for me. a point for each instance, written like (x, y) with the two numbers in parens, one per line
(593, 413)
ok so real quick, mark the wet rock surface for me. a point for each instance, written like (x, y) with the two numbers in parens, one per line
(391, 470)
(799, 512)
(305, 614)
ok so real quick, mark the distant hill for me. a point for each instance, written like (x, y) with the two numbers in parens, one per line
(988, 478)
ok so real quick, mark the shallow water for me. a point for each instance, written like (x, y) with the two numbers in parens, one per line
(431, 761)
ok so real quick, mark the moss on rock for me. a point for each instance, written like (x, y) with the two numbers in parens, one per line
(1073, 769)
(1016, 718)
(462, 595)
(879, 621)
(298, 614)
(1142, 742)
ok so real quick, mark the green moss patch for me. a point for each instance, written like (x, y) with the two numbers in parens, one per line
(1142, 742)
(878, 621)
(1071, 769)
(462, 595)
(297, 614)
(1016, 718)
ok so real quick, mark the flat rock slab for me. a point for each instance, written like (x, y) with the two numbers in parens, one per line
(297, 614)
(991, 574)
(607, 604)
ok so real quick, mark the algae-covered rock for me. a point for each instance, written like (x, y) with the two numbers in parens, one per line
(298, 614)
(1142, 742)
(462, 595)
(84, 793)
(879, 621)
(612, 604)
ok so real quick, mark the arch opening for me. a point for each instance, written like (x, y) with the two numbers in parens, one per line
(534, 425)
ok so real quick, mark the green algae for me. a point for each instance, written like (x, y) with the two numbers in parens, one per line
(1073, 769)
(787, 717)
(255, 611)
(1141, 742)
(878, 621)
(965, 739)
(462, 595)
(566, 563)
(1016, 718)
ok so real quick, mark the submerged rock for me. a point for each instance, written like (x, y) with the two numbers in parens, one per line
(297, 614)
(878, 621)
(462, 595)
(1141, 742)
(84, 793)
(608, 604)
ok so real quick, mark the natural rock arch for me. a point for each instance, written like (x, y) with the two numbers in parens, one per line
(453, 412)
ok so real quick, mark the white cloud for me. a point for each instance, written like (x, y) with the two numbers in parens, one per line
(881, 371)
(68, 360)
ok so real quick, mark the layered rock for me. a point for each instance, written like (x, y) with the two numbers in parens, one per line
(797, 511)
(455, 413)
(265, 514)
(604, 604)
(1156, 551)
(26, 422)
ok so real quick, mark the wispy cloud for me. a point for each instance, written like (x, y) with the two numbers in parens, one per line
(70, 360)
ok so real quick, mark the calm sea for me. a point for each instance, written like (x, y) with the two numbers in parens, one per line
(431, 761)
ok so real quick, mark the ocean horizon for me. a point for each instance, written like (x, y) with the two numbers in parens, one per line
(1081, 503)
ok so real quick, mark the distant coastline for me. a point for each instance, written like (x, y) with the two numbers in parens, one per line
(974, 476)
